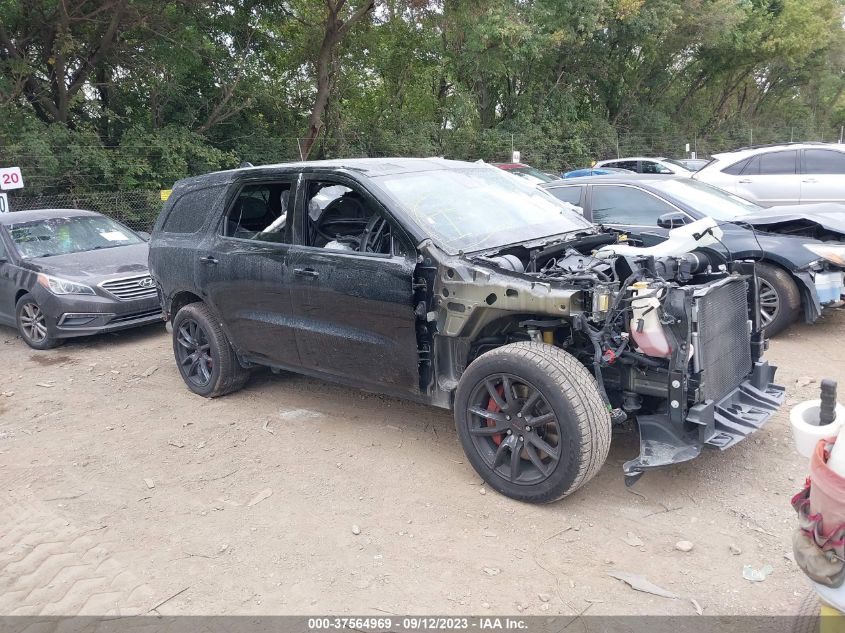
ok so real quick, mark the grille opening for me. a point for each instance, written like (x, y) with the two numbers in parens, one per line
(130, 288)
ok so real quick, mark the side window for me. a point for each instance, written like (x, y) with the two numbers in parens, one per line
(752, 167)
(572, 194)
(623, 164)
(824, 161)
(650, 167)
(342, 219)
(190, 210)
(627, 206)
(777, 163)
(736, 168)
(3, 254)
(259, 213)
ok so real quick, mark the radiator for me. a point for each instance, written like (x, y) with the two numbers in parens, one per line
(724, 337)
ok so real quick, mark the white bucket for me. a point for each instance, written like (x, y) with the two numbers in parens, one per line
(804, 419)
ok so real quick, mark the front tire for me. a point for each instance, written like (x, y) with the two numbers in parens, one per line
(32, 324)
(779, 297)
(206, 360)
(531, 421)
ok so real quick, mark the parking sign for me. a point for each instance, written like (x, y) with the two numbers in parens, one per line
(11, 178)
(4, 203)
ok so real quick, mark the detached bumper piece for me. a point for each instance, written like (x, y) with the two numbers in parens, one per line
(719, 424)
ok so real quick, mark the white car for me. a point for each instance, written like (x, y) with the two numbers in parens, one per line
(792, 173)
(648, 165)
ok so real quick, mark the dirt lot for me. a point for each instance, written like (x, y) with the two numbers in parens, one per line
(121, 492)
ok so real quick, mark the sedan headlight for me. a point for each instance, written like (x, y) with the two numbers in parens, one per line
(59, 286)
(834, 253)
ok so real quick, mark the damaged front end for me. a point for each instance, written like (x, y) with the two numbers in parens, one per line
(671, 333)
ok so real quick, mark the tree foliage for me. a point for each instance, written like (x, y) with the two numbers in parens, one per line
(130, 94)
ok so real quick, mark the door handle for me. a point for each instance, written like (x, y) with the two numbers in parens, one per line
(208, 259)
(810, 180)
(306, 272)
(744, 181)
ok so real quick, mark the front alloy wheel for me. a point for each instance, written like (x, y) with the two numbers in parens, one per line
(531, 421)
(769, 303)
(32, 324)
(514, 429)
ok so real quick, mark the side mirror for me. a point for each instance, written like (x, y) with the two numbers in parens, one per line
(143, 235)
(672, 220)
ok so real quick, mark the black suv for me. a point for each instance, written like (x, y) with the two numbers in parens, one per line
(458, 285)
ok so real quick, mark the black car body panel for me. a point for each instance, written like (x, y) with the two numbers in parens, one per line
(409, 321)
(775, 234)
(72, 315)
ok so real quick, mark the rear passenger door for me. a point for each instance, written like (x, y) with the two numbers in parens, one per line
(823, 176)
(179, 229)
(352, 286)
(771, 178)
(242, 267)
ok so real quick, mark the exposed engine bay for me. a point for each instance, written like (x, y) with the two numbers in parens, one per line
(669, 332)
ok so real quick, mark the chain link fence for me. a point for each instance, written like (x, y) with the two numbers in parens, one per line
(136, 209)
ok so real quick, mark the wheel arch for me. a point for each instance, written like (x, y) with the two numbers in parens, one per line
(179, 300)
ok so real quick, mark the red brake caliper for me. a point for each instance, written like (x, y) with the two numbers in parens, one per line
(494, 408)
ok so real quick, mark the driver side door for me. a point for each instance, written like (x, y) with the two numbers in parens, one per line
(351, 287)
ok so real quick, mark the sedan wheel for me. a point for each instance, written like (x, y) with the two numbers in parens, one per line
(779, 298)
(769, 303)
(32, 324)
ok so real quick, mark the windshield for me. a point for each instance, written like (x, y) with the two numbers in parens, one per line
(676, 163)
(73, 234)
(706, 199)
(478, 208)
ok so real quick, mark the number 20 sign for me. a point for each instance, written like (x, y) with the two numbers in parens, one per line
(10, 178)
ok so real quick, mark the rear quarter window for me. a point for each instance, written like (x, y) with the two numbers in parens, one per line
(570, 194)
(190, 210)
(736, 168)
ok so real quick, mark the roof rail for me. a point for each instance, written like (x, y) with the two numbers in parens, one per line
(764, 145)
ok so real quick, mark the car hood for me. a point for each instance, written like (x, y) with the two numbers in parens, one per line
(94, 266)
(828, 216)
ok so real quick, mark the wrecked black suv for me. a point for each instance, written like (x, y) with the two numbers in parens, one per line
(460, 286)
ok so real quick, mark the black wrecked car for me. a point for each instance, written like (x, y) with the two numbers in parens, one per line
(68, 272)
(799, 250)
(457, 285)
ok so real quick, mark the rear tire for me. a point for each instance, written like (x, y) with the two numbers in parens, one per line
(544, 441)
(32, 324)
(780, 299)
(206, 360)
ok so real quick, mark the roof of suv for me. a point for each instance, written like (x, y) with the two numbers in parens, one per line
(742, 152)
(608, 160)
(370, 166)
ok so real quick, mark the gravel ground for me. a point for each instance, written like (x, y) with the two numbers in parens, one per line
(121, 492)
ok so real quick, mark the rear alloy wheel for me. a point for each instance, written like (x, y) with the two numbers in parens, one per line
(32, 324)
(206, 360)
(531, 421)
(779, 298)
